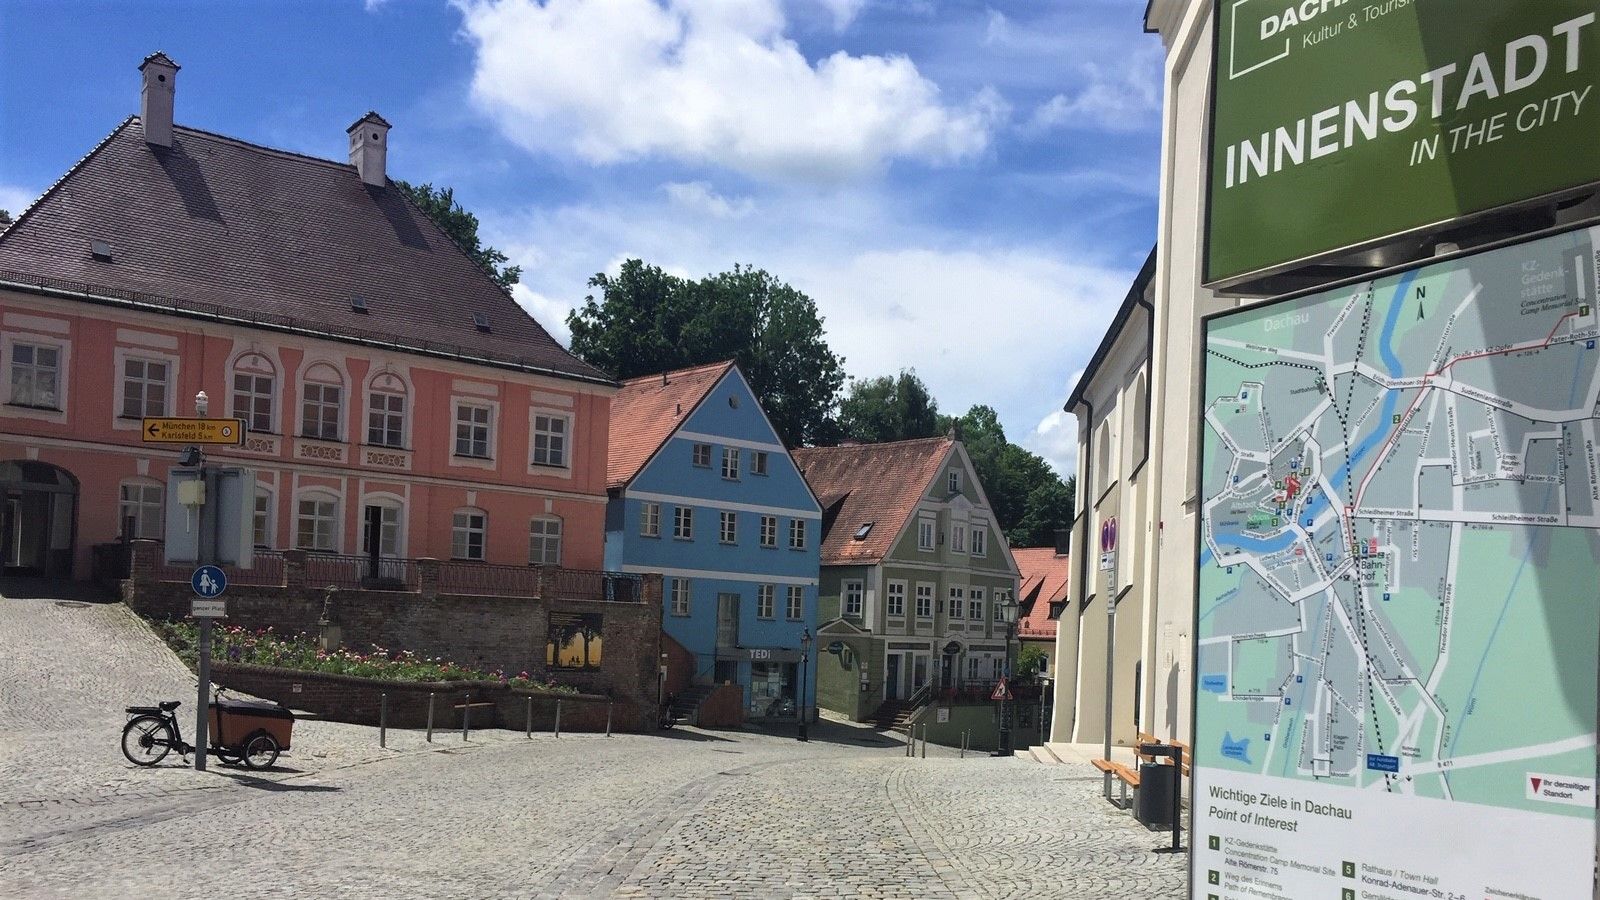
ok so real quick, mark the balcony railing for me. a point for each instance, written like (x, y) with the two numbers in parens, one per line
(488, 580)
(355, 573)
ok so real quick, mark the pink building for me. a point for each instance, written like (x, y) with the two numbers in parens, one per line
(391, 388)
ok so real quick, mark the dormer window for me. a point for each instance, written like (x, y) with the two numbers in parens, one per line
(955, 481)
(100, 250)
(864, 530)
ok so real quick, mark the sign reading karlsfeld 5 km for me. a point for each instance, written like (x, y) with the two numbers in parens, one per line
(1397, 616)
(1337, 123)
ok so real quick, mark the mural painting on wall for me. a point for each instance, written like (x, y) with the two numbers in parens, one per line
(574, 641)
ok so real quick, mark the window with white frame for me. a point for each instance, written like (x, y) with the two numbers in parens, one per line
(144, 387)
(999, 598)
(141, 501)
(317, 523)
(797, 603)
(683, 523)
(958, 538)
(261, 519)
(474, 430)
(996, 667)
(769, 531)
(550, 433)
(321, 403)
(469, 530)
(544, 541)
(897, 599)
(35, 375)
(728, 527)
(730, 463)
(797, 534)
(386, 412)
(955, 606)
(924, 601)
(852, 599)
(255, 389)
(926, 528)
(954, 481)
(975, 604)
(972, 668)
(980, 539)
(766, 601)
(758, 462)
(701, 455)
(390, 515)
(650, 520)
(680, 596)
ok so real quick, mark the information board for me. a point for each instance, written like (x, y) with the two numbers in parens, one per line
(1339, 123)
(1397, 614)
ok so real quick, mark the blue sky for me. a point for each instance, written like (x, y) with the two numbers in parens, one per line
(964, 187)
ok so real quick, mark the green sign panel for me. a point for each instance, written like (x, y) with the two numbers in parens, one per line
(1339, 123)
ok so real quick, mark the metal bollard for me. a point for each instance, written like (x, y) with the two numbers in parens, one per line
(963, 744)
(527, 731)
(383, 721)
(466, 716)
(924, 742)
(608, 718)
(558, 718)
(430, 717)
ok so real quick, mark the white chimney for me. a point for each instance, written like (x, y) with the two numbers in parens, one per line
(369, 148)
(155, 98)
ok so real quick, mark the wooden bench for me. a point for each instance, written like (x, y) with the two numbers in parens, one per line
(1129, 778)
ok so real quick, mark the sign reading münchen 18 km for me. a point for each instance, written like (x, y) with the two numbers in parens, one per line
(1398, 618)
(1340, 123)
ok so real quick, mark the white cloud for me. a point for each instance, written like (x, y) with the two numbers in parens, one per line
(700, 197)
(998, 30)
(550, 312)
(1122, 97)
(15, 198)
(374, 5)
(844, 11)
(1056, 436)
(707, 82)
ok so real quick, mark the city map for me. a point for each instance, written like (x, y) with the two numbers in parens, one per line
(1400, 533)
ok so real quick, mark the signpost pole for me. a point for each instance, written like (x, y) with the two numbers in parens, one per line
(1108, 564)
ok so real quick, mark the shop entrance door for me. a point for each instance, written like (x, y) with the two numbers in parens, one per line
(891, 683)
(37, 519)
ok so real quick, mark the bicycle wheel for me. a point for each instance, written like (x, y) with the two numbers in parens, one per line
(147, 740)
(260, 751)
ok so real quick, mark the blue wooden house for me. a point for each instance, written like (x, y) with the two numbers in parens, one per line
(702, 490)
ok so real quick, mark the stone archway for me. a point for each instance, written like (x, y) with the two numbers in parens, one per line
(38, 519)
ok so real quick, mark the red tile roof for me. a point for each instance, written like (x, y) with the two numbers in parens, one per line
(1045, 577)
(861, 483)
(646, 412)
(215, 226)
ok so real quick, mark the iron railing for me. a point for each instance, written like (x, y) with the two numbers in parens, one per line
(266, 570)
(488, 580)
(355, 573)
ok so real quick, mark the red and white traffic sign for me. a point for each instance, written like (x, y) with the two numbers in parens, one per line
(1001, 691)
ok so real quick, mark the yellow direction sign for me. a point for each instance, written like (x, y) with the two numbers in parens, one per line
(193, 431)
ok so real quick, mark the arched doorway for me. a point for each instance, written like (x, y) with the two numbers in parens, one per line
(38, 518)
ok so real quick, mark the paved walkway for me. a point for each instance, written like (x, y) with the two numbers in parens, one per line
(684, 813)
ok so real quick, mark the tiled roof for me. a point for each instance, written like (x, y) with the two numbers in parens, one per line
(219, 227)
(861, 483)
(1045, 577)
(648, 410)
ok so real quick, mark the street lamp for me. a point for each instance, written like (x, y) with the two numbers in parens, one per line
(805, 658)
(1007, 609)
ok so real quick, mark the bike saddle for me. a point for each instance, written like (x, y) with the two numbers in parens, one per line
(170, 705)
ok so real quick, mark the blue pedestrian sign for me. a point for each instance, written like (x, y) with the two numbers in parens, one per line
(208, 581)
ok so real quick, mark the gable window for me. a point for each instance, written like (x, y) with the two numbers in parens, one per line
(796, 604)
(976, 604)
(730, 463)
(322, 403)
(954, 481)
(261, 519)
(468, 533)
(317, 523)
(650, 519)
(797, 534)
(141, 502)
(758, 462)
(683, 523)
(925, 534)
(766, 601)
(980, 539)
(144, 388)
(544, 541)
(386, 412)
(728, 527)
(954, 608)
(473, 430)
(702, 455)
(769, 531)
(958, 538)
(680, 596)
(924, 601)
(897, 599)
(852, 599)
(254, 389)
(36, 376)
(550, 440)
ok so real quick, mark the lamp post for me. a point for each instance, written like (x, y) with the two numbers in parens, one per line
(1008, 614)
(805, 658)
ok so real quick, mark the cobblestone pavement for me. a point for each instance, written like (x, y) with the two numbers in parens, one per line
(682, 814)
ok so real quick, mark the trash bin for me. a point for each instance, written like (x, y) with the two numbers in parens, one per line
(1157, 782)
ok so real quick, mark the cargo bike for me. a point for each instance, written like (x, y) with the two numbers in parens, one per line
(250, 732)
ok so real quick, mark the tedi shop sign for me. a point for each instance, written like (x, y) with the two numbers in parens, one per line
(1338, 124)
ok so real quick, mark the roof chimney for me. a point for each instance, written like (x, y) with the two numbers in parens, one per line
(155, 98)
(369, 148)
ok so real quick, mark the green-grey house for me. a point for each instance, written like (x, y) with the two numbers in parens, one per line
(913, 565)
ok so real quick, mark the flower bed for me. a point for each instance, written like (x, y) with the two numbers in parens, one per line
(232, 644)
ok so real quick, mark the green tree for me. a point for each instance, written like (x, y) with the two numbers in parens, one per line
(462, 226)
(5, 217)
(645, 321)
(889, 408)
(1030, 661)
(1030, 501)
